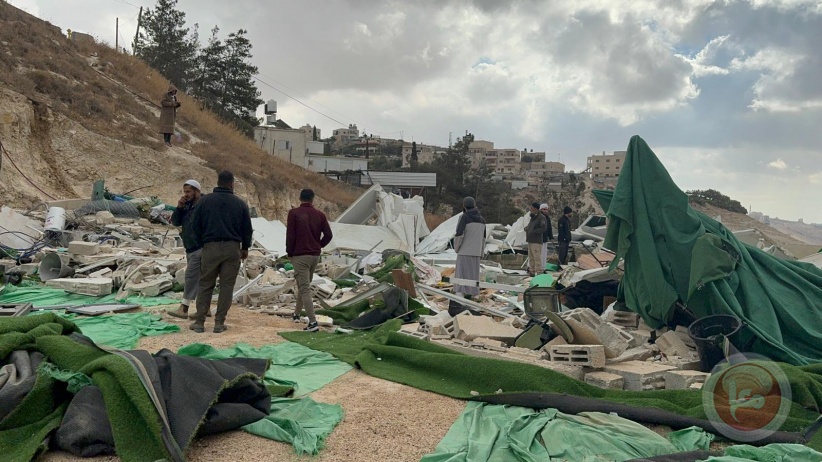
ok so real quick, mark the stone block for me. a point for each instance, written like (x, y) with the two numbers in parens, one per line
(688, 363)
(103, 273)
(682, 380)
(639, 337)
(623, 318)
(28, 268)
(613, 339)
(104, 217)
(640, 375)
(468, 328)
(579, 355)
(605, 380)
(558, 340)
(583, 335)
(682, 332)
(154, 286)
(89, 286)
(670, 344)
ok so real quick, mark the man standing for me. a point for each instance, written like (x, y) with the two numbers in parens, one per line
(168, 113)
(470, 245)
(222, 226)
(547, 236)
(307, 232)
(182, 217)
(564, 235)
(533, 236)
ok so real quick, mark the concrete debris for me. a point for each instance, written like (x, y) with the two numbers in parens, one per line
(605, 380)
(579, 355)
(468, 328)
(682, 380)
(95, 287)
(640, 375)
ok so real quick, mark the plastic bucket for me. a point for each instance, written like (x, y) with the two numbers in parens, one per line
(55, 219)
(709, 334)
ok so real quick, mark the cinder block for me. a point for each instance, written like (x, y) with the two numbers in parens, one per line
(681, 380)
(103, 273)
(153, 287)
(558, 340)
(584, 316)
(672, 345)
(605, 380)
(639, 337)
(83, 248)
(688, 363)
(579, 355)
(614, 341)
(623, 318)
(104, 217)
(632, 354)
(682, 332)
(468, 328)
(640, 375)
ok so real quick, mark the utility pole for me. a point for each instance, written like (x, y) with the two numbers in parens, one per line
(137, 34)
(117, 34)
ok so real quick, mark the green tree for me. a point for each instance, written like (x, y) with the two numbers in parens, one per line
(240, 97)
(210, 71)
(165, 44)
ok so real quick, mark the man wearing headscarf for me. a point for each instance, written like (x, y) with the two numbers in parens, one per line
(469, 243)
(182, 217)
(168, 113)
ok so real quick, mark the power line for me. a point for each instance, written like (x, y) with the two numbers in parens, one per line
(297, 100)
(307, 97)
(127, 3)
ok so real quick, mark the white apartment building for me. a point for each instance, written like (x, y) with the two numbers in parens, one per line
(606, 166)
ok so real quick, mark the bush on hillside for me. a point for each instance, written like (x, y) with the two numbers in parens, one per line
(716, 199)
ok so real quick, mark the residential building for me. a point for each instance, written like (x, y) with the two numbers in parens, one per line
(606, 166)
(368, 144)
(535, 156)
(345, 136)
(425, 154)
(506, 163)
(281, 141)
(477, 150)
(543, 169)
(315, 147)
(322, 164)
(309, 132)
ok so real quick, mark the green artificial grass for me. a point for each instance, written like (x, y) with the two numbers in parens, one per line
(386, 354)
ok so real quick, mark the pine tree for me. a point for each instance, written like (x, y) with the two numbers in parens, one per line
(165, 43)
(239, 97)
(210, 70)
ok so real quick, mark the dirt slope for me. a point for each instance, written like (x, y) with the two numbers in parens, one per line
(72, 113)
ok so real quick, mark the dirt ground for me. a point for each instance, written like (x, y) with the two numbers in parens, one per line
(383, 420)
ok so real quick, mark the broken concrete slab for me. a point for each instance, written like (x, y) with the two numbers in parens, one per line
(623, 318)
(468, 328)
(639, 337)
(584, 316)
(689, 363)
(582, 334)
(633, 354)
(579, 355)
(613, 340)
(640, 375)
(89, 286)
(605, 380)
(154, 286)
(682, 380)
(670, 344)
(104, 217)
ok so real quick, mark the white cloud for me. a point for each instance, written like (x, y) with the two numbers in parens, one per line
(778, 164)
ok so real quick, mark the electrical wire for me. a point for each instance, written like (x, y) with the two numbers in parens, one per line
(297, 100)
(127, 3)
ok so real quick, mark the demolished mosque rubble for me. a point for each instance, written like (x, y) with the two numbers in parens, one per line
(632, 310)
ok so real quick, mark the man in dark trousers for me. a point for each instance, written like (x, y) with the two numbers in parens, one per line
(547, 236)
(564, 235)
(307, 232)
(182, 217)
(533, 236)
(222, 225)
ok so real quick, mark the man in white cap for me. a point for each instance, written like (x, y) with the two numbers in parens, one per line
(182, 217)
(547, 236)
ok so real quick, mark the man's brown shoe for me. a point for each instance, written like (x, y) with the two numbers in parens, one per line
(181, 312)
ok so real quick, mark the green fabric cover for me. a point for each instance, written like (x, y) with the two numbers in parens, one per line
(75, 381)
(769, 453)
(292, 365)
(674, 254)
(123, 330)
(47, 296)
(304, 423)
(135, 421)
(690, 439)
(386, 354)
(486, 432)
(542, 280)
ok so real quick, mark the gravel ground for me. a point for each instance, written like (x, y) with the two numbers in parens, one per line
(383, 420)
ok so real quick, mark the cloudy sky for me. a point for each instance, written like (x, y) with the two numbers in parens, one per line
(727, 93)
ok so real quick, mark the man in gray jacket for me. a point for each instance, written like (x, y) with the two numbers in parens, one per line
(533, 236)
(470, 245)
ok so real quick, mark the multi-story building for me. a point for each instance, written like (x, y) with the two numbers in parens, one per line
(477, 150)
(368, 144)
(309, 132)
(606, 166)
(543, 169)
(425, 154)
(506, 163)
(345, 136)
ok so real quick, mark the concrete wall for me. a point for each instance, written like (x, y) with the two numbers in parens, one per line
(606, 166)
(334, 163)
(286, 144)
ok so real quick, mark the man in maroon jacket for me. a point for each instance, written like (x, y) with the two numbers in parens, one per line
(307, 232)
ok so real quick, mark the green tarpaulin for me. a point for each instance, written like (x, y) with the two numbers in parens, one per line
(303, 422)
(389, 355)
(675, 254)
(769, 453)
(485, 432)
(47, 296)
(122, 330)
(292, 365)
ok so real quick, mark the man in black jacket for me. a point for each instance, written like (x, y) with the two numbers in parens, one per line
(182, 217)
(222, 225)
(547, 236)
(564, 235)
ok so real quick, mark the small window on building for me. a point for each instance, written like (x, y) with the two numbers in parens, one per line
(607, 160)
(606, 168)
(617, 160)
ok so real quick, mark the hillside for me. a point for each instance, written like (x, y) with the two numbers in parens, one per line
(72, 113)
(806, 232)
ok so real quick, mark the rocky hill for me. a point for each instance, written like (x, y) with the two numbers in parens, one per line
(73, 112)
